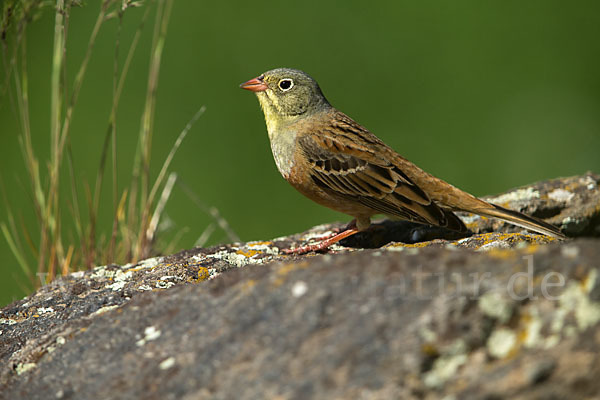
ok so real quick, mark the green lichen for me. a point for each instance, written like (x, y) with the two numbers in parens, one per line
(497, 306)
(502, 342)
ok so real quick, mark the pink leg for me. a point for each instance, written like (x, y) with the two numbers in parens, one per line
(324, 244)
(333, 232)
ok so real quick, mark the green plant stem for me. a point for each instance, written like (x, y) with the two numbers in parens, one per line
(142, 163)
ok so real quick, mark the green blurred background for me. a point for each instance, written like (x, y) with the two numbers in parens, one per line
(486, 95)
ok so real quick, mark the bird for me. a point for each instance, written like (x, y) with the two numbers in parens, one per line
(338, 163)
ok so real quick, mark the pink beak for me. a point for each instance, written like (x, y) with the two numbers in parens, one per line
(255, 85)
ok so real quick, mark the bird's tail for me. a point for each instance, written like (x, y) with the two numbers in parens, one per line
(520, 219)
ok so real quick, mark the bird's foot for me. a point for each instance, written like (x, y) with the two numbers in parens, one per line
(335, 231)
(323, 244)
(329, 235)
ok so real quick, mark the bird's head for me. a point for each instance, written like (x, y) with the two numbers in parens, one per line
(286, 94)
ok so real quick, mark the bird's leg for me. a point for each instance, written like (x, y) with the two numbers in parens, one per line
(350, 230)
(334, 231)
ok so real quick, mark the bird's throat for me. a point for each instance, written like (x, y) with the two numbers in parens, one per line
(282, 134)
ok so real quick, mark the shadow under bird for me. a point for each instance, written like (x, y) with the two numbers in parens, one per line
(336, 162)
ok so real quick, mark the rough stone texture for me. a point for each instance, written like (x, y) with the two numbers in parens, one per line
(491, 316)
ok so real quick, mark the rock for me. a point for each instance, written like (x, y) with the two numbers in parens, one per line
(493, 315)
(572, 203)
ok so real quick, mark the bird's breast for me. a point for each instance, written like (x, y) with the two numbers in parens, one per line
(283, 145)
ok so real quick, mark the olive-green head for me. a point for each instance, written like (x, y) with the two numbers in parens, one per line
(286, 94)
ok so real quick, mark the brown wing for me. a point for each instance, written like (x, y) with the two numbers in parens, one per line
(344, 159)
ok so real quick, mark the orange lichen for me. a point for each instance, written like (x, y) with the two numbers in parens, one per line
(248, 285)
(248, 253)
(145, 267)
(203, 274)
(503, 254)
(266, 243)
(285, 269)
(430, 350)
(411, 245)
(417, 245)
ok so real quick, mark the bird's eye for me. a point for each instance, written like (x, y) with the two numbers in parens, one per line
(286, 84)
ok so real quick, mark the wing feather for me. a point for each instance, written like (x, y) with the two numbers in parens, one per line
(337, 166)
